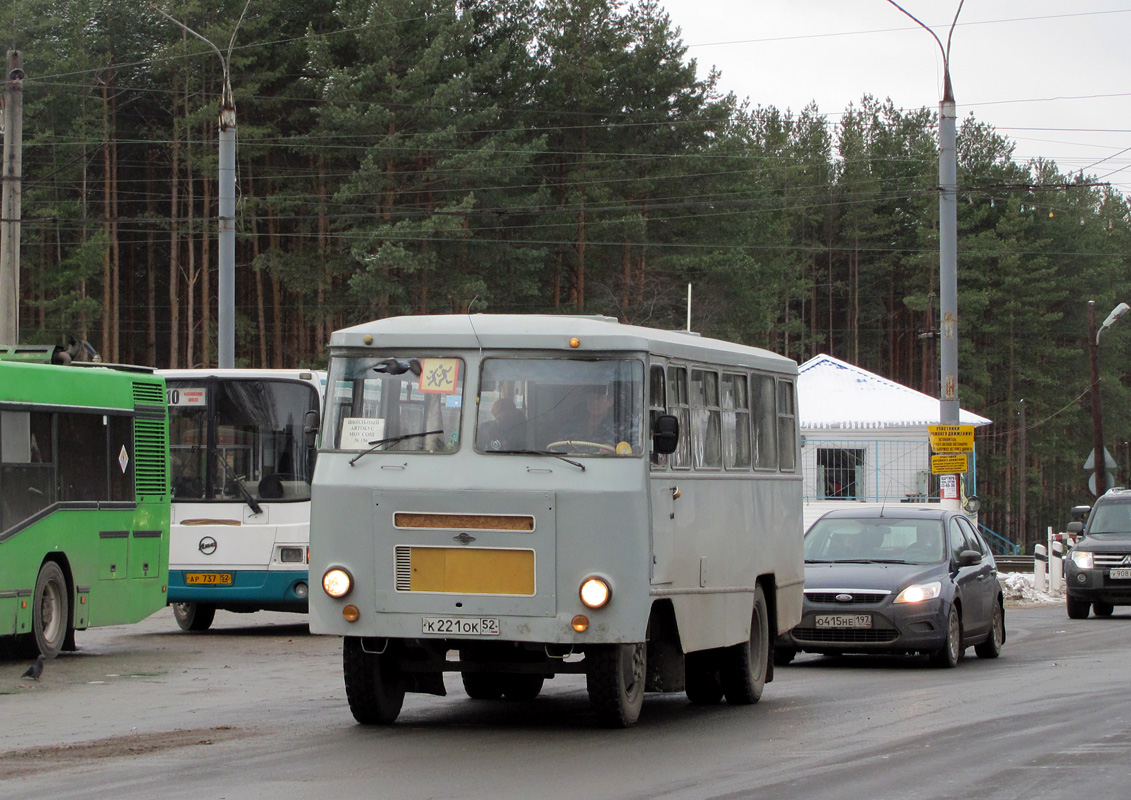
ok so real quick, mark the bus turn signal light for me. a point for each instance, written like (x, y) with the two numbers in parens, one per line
(580, 623)
(351, 613)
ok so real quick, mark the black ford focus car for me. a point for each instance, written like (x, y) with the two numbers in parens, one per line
(898, 580)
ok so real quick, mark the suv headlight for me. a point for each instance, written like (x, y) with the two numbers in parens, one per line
(918, 592)
(1082, 559)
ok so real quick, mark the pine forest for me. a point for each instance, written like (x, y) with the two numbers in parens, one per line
(548, 156)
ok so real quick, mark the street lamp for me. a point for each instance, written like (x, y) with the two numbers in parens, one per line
(1099, 454)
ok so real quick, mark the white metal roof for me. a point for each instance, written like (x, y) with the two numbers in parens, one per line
(835, 394)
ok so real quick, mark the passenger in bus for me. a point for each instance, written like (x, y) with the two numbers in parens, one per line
(507, 431)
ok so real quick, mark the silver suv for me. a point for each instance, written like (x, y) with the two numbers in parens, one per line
(1097, 572)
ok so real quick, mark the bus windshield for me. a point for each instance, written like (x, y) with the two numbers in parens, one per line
(402, 404)
(570, 406)
(235, 439)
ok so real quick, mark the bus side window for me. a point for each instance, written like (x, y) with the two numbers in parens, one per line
(763, 393)
(656, 407)
(680, 407)
(26, 469)
(787, 427)
(705, 434)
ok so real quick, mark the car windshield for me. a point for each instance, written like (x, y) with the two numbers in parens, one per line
(576, 407)
(1111, 519)
(881, 540)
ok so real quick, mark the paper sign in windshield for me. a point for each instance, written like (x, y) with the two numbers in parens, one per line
(358, 432)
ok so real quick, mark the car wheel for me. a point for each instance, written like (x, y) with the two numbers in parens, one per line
(951, 652)
(1077, 608)
(1101, 609)
(991, 648)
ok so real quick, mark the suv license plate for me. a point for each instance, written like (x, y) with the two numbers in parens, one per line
(1120, 573)
(460, 626)
(844, 620)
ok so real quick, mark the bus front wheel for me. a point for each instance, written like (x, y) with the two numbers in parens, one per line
(51, 610)
(194, 616)
(745, 666)
(374, 685)
(615, 676)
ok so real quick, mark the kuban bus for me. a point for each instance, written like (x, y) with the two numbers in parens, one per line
(242, 455)
(519, 497)
(84, 498)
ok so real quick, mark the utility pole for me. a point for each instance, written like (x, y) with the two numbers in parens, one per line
(948, 244)
(10, 201)
(226, 222)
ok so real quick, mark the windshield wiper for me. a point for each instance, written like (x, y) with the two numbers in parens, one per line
(254, 506)
(378, 442)
(577, 464)
(818, 561)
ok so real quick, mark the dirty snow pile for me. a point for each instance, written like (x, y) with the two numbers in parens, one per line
(1018, 587)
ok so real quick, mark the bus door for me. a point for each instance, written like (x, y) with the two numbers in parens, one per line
(663, 488)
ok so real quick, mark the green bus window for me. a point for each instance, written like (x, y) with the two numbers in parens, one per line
(83, 474)
(27, 474)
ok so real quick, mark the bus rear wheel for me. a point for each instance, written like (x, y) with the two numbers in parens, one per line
(614, 676)
(701, 678)
(483, 685)
(523, 688)
(51, 610)
(374, 685)
(194, 616)
(744, 667)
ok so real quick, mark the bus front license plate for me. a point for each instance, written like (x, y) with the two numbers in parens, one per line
(460, 626)
(844, 620)
(208, 578)
(1120, 574)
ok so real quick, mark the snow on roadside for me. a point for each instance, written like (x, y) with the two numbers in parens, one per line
(1018, 588)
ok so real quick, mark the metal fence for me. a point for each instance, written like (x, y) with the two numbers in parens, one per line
(873, 470)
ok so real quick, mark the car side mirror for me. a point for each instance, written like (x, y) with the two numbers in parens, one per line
(969, 558)
(665, 434)
(1075, 527)
(310, 425)
(1080, 513)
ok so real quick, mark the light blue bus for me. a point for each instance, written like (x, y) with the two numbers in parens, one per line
(546, 495)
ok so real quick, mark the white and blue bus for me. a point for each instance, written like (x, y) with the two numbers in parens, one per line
(546, 495)
(241, 449)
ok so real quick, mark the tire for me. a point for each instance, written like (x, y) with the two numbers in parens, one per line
(950, 653)
(614, 676)
(1102, 609)
(483, 685)
(1077, 609)
(523, 688)
(50, 611)
(374, 685)
(991, 648)
(701, 678)
(194, 616)
(745, 667)
(784, 655)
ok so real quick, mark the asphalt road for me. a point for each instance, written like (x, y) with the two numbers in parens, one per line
(255, 708)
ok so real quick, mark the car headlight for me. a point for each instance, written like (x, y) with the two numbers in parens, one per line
(1082, 559)
(595, 592)
(337, 582)
(918, 592)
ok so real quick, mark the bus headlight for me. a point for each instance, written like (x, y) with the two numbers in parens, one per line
(337, 582)
(595, 592)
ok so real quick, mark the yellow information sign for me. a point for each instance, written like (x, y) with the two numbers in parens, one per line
(949, 464)
(951, 438)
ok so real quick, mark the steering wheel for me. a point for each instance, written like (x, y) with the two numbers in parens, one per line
(601, 448)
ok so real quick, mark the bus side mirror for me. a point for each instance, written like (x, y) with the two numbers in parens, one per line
(310, 428)
(665, 434)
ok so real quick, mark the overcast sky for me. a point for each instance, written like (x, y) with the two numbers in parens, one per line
(1054, 76)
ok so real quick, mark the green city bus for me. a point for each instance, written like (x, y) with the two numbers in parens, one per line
(84, 499)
